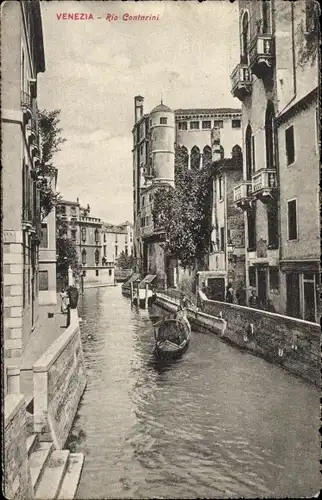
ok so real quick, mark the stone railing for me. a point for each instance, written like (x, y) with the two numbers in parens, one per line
(264, 179)
(290, 342)
(17, 481)
(242, 191)
(59, 382)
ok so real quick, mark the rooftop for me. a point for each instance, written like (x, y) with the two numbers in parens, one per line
(161, 107)
(208, 111)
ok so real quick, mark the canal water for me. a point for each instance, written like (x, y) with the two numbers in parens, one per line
(218, 423)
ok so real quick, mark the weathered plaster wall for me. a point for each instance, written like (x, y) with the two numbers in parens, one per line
(59, 382)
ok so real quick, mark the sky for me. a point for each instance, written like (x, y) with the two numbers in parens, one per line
(94, 68)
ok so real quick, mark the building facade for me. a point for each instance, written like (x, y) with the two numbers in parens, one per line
(47, 255)
(22, 60)
(278, 92)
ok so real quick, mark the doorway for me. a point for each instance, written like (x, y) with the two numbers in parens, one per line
(293, 295)
(262, 284)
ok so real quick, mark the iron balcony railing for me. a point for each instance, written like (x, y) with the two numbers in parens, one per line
(26, 99)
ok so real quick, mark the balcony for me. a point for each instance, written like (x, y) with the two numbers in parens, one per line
(261, 55)
(241, 81)
(265, 184)
(243, 194)
(26, 105)
(147, 230)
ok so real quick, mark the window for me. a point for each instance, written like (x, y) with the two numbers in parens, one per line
(116, 251)
(141, 150)
(309, 297)
(292, 220)
(194, 125)
(44, 236)
(84, 274)
(289, 143)
(83, 233)
(104, 250)
(235, 123)
(220, 187)
(269, 135)
(116, 239)
(22, 70)
(206, 124)
(143, 201)
(96, 235)
(266, 17)
(84, 256)
(63, 210)
(110, 272)
(183, 126)
(206, 156)
(251, 228)
(222, 239)
(163, 120)
(272, 225)
(97, 257)
(97, 272)
(73, 234)
(274, 278)
(244, 39)
(73, 211)
(218, 124)
(195, 158)
(249, 153)
(43, 280)
(104, 237)
(252, 276)
(126, 250)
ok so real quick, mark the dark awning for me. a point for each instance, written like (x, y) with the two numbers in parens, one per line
(133, 278)
(148, 279)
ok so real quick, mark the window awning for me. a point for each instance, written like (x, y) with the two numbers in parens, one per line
(133, 278)
(148, 279)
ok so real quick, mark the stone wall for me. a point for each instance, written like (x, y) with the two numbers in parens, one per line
(59, 382)
(289, 342)
(17, 481)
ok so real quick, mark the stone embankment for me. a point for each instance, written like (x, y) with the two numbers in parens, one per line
(36, 429)
(291, 343)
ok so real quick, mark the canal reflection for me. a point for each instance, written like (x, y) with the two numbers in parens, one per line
(217, 423)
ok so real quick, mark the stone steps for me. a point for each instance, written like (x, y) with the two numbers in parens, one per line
(73, 473)
(37, 462)
(53, 475)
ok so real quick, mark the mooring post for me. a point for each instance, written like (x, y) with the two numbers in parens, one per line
(131, 285)
(146, 296)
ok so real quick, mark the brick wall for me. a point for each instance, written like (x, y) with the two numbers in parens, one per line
(17, 481)
(59, 382)
(266, 333)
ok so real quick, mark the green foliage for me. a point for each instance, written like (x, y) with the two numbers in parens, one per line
(308, 35)
(184, 213)
(50, 136)
(125, 261)
(65, 247)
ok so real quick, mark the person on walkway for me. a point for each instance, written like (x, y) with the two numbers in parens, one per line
(241, 295)
(64, 301)
(254, 301)
(269, 306)
(230, 294)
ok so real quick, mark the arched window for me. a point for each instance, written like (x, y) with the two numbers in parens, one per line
(97, 256)
(206, 156)
(195, 158)
(222, 152)
(236, 153)
(96, 235)
(184, 156)
(269, 135)
(84, 256)
(244, 37)
(249, 153)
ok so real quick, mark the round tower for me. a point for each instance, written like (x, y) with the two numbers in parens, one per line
(162, 129)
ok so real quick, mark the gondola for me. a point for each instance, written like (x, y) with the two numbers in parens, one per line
(172, 337)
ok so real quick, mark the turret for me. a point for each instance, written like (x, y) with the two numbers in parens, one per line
(162, 128)
(138, 107)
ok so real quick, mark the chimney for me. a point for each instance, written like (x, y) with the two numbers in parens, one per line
(215, 144)
(88, 208)
(138, 107)
(77, 200)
